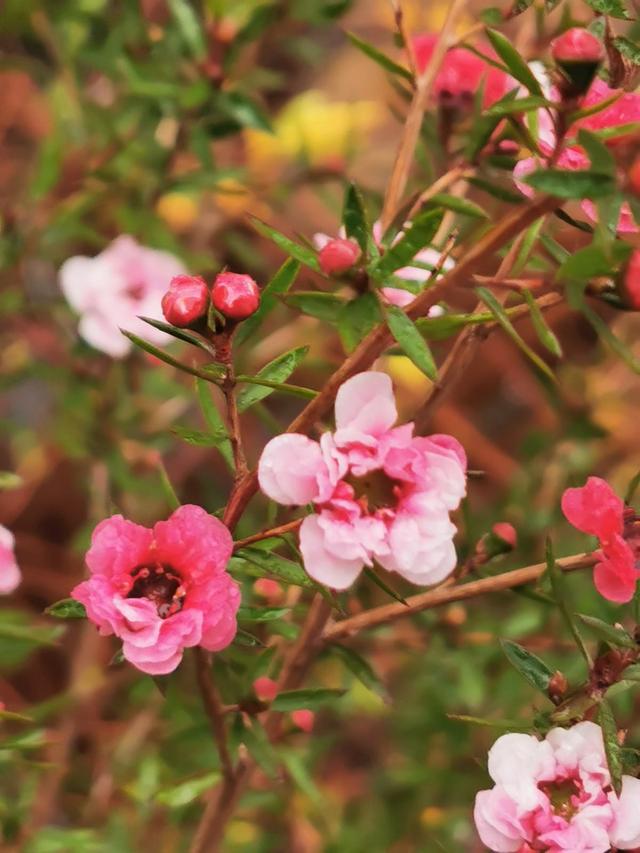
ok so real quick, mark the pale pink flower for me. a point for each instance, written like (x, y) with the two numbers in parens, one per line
(556, 795)
(162, 590)
(111, 290)
(10, 575)
(596, 509)
(398, 295)
(379, 492)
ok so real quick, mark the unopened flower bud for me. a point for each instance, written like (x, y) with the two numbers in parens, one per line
(303, 718)
(631, 281)
(507, 532)
(338, 256)
(186, 301)
(265, 688)
(235, 295)
(577, 52)
(268, 589)
(557, 687)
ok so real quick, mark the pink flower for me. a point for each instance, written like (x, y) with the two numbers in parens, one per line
(596, 509)
(235, 295)
(304, 719)
(462, 73)
(555, 795)
(265, 688)
(379, 493)
(110, 291)
(162, 590)
(632, 280)
(186, 301)
(577, 45)
(10, 575)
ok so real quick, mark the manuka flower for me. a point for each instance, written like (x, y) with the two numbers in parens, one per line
(10, 575)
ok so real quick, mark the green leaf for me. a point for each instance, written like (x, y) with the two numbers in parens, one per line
(568, 183)
(195, 437)
(585, 264)
(185, 335)
(613, 8)
(170, 495)
(628, 49)
(514, 62)
(244, 111)
(261, 614)
(276, 371)
(361, 669)
(356, 319)
(503, 320)
(67, 608)
(189, 27)
(496, 190)
(285, 387)
(599, 155)
(185, 793)
(9, 480)
(411, 341)
(507, 725)
(373, 577)
(213, 420)
(255, 739)
(545, 335)
(518, 8)
(324, 306)
(212, 374)
(301, 253)
(632, 488)
(558, 587)
(520, 105)
(281, 282)
(609, 633)
(530, 666)
(300, 775)
(620, 348)
(419, 234)
(280, 567)
(310, 698)
(609, 728)
(458, 205)
(354, 218)
(529, 241)
(378, 57)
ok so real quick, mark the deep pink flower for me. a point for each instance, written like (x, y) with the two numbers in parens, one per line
(235, 295)
(555, 795)
(113, 289)
(10, 575)
(379, 493)
(186, 301)
(338, 255)
(596, 509)
(265, 688)
(162, 590)
(577, 45)
(304, 719)
(462, 73)
(632, 280)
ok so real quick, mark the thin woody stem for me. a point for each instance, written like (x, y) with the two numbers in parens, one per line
(266, 534)
(214, 709)
(235, 434)
(445, 594)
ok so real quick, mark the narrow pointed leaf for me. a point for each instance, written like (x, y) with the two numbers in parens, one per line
(568, 183)
(354, 218)
(311, 698)
(373, 577)
(280, 567)
(302, 254)
(620, 348)
(530, 666)
(418, 236)
(609, 633)
(185, 335)
(458, 205)
(514, 62)
(214, 422)
(361, 669)
(545, 335)
(558, 587)
(379, 58)
(611, 746)
(67, 608)
(209, 374)
(356, 319)
(411, 341)
(276, 371)
(281, 282)
(520, 105)
(323, 306)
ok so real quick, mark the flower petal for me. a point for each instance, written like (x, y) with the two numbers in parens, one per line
(322, 565)
(291, 468)
(365, 403)
(194, 542)
(594, 508)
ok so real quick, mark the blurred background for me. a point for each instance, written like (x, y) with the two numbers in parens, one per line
(171, 121)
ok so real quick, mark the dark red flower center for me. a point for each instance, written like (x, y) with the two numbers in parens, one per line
(562, 795)
(160, 584)
(375, 490)
(136, 290)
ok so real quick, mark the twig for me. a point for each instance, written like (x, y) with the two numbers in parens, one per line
(266, 534)
(446, 594)
(235, 435)
(214, 708)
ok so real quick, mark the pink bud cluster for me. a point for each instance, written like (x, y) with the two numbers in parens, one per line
(235, 295)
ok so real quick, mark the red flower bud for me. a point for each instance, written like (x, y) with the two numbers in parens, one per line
(633, 177)
(338, 256)
(186, 301)
(265, 688)
(631, 280)
(506, 532)
(269, 589)
(235, 295)
(304, 719)
(577, 45)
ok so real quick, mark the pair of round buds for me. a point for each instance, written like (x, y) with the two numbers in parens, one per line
(186, 303)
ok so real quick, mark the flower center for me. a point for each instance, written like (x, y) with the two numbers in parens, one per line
(375, 490)
(561, 794)
(161, 585)
(135, 290)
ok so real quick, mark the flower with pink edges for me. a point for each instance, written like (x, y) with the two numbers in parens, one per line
(111, 291)
(596, 509)
(462, 73)
(625, 110)
(398, 295)
(379, 493)
(164, 589)
(10, 575)
(555, 795)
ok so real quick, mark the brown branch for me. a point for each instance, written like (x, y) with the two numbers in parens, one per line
(447, 593)
(266, 534)
(214, 709)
